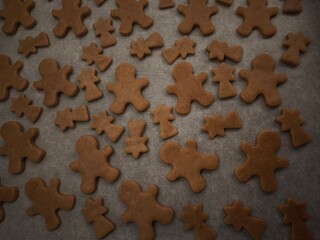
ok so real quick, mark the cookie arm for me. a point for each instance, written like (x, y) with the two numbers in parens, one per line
(281, 78)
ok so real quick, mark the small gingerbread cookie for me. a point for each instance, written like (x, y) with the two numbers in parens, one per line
(15, 13)
(23, 106)
(47, 200)
(223, 74)
(136, 143)
(187, 163)
(93, 163)
(262, 81)
(262, 160)
(188, 88)
(30, 45)
(10, 77)
(194, 218)
(257, 16)
(127, 90)
(19, 146)
(142, 47)
(290, 120)
(143, 208)
(131, 12)
(88, 80)
(197, 13)
(7, 195)
(163, 115)
(184, 47)
(94, 212)
(70, 17)
(103, 29)
(54, 82)
(239, 216)
(67, 117)
(221, 50)
(292, 7)
(295, 43)
(93, 54)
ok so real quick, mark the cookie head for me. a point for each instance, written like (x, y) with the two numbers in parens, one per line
(127, 190)
(34, 188)
(270, 140)
(45, 65)
(182, 70)
(264, 62)
(8, 128)
(125, 70)
(85, 144)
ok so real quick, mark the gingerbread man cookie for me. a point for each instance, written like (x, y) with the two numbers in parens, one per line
(290, 120)
(262, 160)
(131, 12)
(30, 45)
(188, 88)
(143, 208)
(7, 195)
(70, 16)
(93, 54)
(257, 15)
(93, 163)
(23, 106)
(184, 47)
(103, 29)
(136, 143)
(239, 216)
(262, 81)
(94, 212)
(10, 77)
(47, 200)
(127, 90)
(15, 13)
(54, 82)
(195, 218)
(19, 146)
(197, 13)
(187, 163)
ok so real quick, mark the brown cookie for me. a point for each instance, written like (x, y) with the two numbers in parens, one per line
(54, 82)
(227, 3)
(10, 77)
(23, 106)
(88, 80)
(262, 160)
(7, 195)
(30, 45)
(131, 12)
(99, 2)
(262, 81)
(295, 214)
(290, 120)
(93, 54)
(223, 74)
(67, 117)
(163, 115)
(184, 47)
(142, 48)
(19, 146)
(127, 90)
(136, 143)
(240, 217)
(215, 125)
(257, 16)
(292, 7)
(221, 50)
(197, 14)
(187, 163)
(103, 29)
(188, 88)
(164, 4)
(143, 208)
(70, 16)
(102, 122)
(93, 163)
(194, 218)
(94, 212)
(16, 13)
(295, 43)
(47, 200)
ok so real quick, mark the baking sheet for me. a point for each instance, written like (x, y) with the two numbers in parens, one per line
(300, 180)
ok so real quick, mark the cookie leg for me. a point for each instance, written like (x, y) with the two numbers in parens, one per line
(140, 104)
(268, 182)
(145, 21)
(267, 30)
(126, 27)
(206, 28)
(272, 99)
(245, 29)
(197, 183)
(29, 22)
(60, 30)
(146, 231)
(16, 165)
(183, 106)
(185, 27)
(88, 184)
(79, 30)
(205, 99)
(10, 28)
(52, 220)
(118, 106)
(248, 95)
